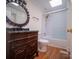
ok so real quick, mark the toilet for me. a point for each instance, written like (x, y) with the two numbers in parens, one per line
(42, 45)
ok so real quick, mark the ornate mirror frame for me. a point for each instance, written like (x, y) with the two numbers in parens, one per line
(22, 3)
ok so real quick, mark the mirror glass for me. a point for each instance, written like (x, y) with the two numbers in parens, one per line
(16, 13)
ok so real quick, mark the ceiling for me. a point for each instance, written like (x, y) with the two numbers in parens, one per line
(44, 5)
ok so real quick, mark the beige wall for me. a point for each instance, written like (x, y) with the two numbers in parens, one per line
(34, 11)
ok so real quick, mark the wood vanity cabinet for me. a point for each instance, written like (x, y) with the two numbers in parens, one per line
(21, 45)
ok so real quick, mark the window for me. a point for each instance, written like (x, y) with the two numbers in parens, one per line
(55, 3)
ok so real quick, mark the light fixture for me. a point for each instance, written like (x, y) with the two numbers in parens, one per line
(55, 3)
(14, 3)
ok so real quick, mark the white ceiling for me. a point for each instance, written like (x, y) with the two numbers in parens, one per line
(44, 5)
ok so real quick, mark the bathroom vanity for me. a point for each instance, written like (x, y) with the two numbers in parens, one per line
(22, 44)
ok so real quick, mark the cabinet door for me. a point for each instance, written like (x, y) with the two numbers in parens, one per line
(29, 52)
(20, 54)
(17, 53)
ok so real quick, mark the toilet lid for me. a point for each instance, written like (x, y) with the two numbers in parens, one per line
(43, 40)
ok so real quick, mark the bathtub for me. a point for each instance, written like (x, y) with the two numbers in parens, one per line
(54, 42)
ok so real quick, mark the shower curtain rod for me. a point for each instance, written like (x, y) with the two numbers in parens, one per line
(56, 11)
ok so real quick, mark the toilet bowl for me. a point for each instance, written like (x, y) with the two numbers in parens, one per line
(42, 45)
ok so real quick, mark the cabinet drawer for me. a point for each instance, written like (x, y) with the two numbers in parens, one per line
(17, 35)
(22, 42)
(17, 43)
(32, 33)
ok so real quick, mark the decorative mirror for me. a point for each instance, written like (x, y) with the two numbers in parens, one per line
(16, 13)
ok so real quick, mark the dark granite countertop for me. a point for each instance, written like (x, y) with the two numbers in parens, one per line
(22, 31)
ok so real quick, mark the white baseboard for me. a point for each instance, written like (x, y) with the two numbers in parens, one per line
(58, 43)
